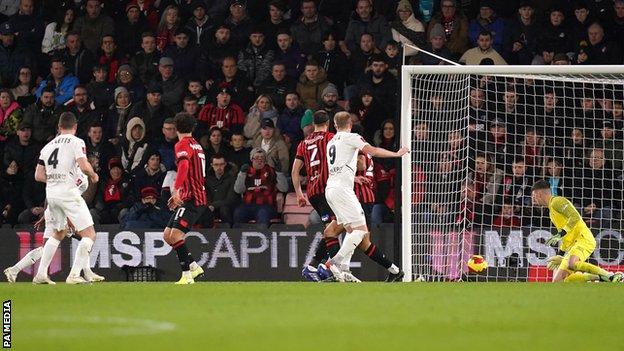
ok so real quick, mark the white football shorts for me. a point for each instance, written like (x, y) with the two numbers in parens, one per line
(346, 206)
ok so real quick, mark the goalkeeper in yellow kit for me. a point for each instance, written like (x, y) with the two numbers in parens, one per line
(577, 241)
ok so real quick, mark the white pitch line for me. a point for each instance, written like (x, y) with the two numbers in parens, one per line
(119, 326)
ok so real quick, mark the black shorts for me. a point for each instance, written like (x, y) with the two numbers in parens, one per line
(319, 203)
(186, 216)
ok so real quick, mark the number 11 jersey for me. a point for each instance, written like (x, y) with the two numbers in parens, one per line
(193, 188)
(342, 152)
(59, 158)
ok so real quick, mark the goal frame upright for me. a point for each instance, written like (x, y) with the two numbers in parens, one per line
(407, 134)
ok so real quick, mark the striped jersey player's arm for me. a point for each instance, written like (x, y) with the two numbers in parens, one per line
(566, 209)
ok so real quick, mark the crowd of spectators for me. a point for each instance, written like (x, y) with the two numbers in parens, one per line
(251, 72)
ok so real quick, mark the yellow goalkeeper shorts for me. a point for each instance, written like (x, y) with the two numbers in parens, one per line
(581, 248)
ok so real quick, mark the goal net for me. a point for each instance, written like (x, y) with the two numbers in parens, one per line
(480, 137)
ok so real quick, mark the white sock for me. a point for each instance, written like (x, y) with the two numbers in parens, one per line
(82, 256)
(29, 259)
(350, 242)
(46, 257)
(393, 269)
(193, 266)
(87, 267)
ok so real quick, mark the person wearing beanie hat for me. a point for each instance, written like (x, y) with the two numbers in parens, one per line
(329, 103)
(145, 213)
(455, 25)
(435, 45)
(128, 31)
(407, 30)
(256, 58)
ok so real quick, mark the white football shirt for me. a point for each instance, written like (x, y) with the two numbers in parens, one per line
(342, 152)
(59, 157)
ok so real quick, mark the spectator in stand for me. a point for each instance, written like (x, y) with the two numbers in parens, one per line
(220, 180)
(21, 153)
(393, 59)
(62, 83)
(165, 144)
(407, 29)
(55, 32)
(239, 151)
(168, 25)
(488, 181)
(276, 23)
(261, 110)
(29, 29)
(616, 24)
(152, 111)
(93, 26)
(8, 196)
(278, 85)
(80, 106)
(381, 83)
(98, 148)
(308, 30)
(145, 61)
(130, 29)
(598, 51)
(190, 106)
(488, 21)
(183, 54)
(152, 174)
(612, 146)
(200, 25)
(110, 57)
(214, 50)
(8, 8)
(580, 22)
(507, 217)
(241, 90)
(43, 116)
(599, 190)
(360, 63)
(172, 85)
(290, 54)
(214, 143)
(365, 20)
(385, 175)
(483, 50)
(240, 24)
(100, 89)
(112, 195)
(455, 26)
(370, 113)
(329, 103)
(10, 116)
(560, 184)
(149, 12)
(146, 213)
(12, 56)
(77, 60)
(34, 197)
(499, 144)
(273, 145)
(23, 89)
(532, 148)
(602, 10)
(134, 146)
(224, 114)
(256, 58)
(333, 61)
(517, 186)
(258, 185)
(436, 45)
(196, 89)
(117, 116)
(521, 34)
(555, 34)
(289, 122)
(126, 78)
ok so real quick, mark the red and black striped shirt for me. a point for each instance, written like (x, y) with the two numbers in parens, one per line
(192, 186)
(366, 192)
(224, 118)
(260, 185)
(312, 151)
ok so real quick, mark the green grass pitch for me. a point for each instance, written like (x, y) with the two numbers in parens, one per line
(308, 316)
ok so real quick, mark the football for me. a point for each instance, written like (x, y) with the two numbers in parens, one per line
(477, 264)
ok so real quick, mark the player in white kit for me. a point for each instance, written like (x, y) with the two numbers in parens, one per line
(34, 255)
(59, 162)
(342, 154)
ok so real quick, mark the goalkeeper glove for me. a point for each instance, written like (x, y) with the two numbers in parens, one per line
(554, 262)
(555, 239)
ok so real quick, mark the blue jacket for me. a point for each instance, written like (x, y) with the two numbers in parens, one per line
(140, 216)
(63, 92)
(289, 123)
(497, 28)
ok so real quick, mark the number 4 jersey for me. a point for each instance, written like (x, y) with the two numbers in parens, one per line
(192, 188)
(312, 151)
(59, 158)
(342, 152)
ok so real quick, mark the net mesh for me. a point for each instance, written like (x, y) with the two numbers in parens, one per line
(480, 142)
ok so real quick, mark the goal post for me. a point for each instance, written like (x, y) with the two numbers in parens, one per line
(479, 137)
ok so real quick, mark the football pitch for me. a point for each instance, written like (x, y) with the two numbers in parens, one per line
(308, 316)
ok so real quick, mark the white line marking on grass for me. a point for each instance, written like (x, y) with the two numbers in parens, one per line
(78, 325)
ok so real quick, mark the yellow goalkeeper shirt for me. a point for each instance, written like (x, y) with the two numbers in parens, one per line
(565, 216)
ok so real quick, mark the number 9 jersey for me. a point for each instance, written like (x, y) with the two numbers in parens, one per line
(59, 158)
(342, 153)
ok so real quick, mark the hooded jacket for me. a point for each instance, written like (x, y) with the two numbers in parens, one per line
(134, 151)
